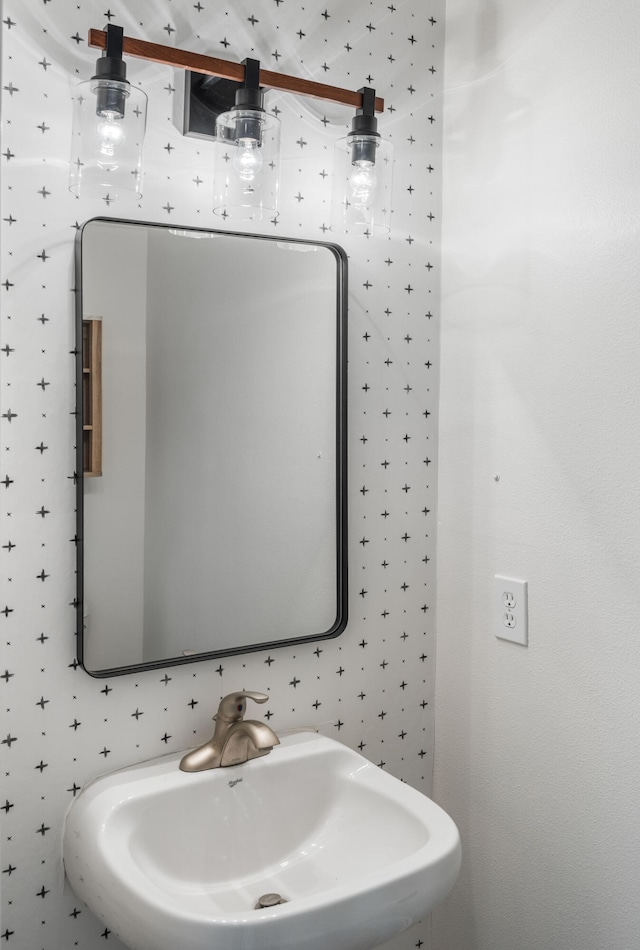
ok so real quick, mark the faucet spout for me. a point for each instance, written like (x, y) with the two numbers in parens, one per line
(247, 740)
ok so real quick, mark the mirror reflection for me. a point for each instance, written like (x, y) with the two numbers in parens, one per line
(211, 431)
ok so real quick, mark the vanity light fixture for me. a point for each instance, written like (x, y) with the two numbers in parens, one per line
(246, 136)
(247, 154)
(108, 128)
(362, 175)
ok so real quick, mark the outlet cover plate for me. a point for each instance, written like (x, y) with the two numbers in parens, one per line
(510, 610)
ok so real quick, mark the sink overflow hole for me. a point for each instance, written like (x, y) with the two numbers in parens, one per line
(269, 900)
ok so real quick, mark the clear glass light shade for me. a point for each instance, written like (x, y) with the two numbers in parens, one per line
(246, 165)
(109, 120)
(362, 182)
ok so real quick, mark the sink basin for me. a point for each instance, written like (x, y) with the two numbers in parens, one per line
(176, 859)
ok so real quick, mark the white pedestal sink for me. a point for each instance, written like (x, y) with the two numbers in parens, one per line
(170, 859)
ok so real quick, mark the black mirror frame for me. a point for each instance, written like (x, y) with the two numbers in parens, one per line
(341, 458)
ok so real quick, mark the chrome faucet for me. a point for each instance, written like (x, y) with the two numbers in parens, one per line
(235, 739)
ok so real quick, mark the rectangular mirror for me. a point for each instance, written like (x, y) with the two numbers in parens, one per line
(211, 381)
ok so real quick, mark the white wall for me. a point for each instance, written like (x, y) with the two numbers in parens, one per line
(537, 748)
(240, 444)
(114, 550)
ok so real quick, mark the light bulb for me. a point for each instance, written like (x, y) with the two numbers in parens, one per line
(363, 181)
(248, 159)
(111, 130)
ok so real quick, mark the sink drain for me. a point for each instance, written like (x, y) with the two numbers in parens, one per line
(270, 900)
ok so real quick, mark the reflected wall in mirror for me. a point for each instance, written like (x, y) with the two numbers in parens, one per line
(214, 521)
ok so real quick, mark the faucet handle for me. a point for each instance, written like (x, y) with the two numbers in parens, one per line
(233, 707)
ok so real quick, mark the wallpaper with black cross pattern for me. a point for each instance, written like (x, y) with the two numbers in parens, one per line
(371, 688)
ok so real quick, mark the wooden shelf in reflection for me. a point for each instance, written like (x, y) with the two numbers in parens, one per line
(92, 396)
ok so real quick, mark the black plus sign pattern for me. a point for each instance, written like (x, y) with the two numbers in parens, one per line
(372, 687)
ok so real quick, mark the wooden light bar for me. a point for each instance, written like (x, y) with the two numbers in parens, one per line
(224, 69)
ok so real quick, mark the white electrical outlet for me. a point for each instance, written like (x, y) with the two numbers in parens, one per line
(510, 615)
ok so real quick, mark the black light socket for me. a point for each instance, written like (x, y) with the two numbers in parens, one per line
(364, 130)
(251, 98)
(363, 149)
(111, 67)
